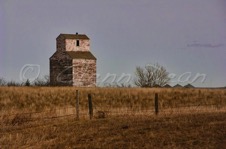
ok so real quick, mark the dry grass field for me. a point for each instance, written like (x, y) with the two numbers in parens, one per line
(44, 117)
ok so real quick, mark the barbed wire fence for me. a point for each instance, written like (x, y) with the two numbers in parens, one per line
(156, 109)
(97, 111)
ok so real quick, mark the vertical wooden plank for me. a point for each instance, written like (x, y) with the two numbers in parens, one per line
(77, 105)
(156, 104)
(90, 106)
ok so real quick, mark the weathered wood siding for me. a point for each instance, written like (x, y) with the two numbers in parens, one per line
(83, 45)
(66, 69)
(61, 69)
(84, 72)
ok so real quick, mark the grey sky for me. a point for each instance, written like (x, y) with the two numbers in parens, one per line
(182, 35)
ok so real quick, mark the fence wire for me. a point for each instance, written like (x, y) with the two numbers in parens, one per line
(101, 111)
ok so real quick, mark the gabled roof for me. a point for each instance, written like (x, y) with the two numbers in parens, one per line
(189, 86)
(177, 86)
(74, 36)
(81, 55)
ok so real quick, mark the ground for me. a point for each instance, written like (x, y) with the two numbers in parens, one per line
(181, 131)
(45, 117)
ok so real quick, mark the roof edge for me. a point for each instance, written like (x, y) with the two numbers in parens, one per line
(73, 36)
(81, 55)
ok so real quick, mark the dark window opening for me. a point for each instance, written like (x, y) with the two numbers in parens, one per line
(77, 43)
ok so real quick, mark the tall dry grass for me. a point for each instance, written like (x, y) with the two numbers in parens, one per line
(39, 98)
(187, 131)
(124, 129)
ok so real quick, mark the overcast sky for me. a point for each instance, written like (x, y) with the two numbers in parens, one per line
(188, 37)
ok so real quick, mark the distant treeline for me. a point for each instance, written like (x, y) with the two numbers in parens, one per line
(37, 82)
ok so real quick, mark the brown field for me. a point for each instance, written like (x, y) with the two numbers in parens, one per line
(44, 117)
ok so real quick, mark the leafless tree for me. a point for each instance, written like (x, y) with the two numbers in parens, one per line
(45, 81)
(151, 75)
(2, 82)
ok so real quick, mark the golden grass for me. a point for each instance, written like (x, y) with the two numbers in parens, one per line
(188, 118)
(181, 131)
(40, 98)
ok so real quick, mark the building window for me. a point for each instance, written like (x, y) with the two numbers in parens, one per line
(77, 43)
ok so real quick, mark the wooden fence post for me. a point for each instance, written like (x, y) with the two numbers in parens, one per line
(90, 106)
(77, 105)
(156, 104)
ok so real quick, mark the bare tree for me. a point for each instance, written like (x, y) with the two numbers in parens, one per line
(2, 82)
(27, 83)
(45, 81)
(14, 83)
(151, 75)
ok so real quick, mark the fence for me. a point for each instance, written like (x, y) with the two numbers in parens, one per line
(94, 110)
